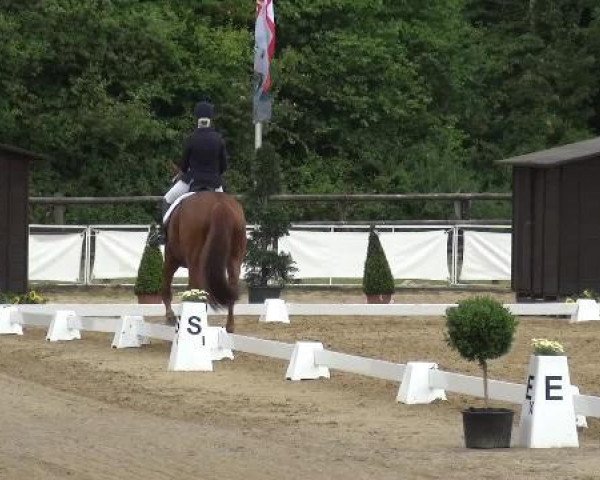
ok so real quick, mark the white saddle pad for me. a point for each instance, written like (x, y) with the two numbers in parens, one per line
(174, 206)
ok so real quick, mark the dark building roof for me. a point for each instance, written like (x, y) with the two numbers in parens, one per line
(572, 152)
(20, 151)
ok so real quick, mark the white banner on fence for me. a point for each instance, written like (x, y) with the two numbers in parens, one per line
(417, 255)
(326, 254)
(486, 256)
(118, 254)
(55, 257)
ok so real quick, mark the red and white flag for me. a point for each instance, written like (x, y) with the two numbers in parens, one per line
(264, 49)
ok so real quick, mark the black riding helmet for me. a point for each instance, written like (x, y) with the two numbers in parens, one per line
(204, 110)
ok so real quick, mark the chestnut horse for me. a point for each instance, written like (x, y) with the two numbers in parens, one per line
(207, 235)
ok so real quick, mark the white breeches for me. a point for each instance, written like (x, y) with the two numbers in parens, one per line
(179, 189)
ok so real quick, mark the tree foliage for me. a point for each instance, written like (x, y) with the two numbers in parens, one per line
(390, 96)
(480, 329)
(265, 264)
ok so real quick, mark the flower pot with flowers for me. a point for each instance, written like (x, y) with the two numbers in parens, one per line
(545, 347)
(194, 295)
(481, 329)
(30, 297)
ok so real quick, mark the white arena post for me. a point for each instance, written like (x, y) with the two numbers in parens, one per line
(303, 365)
(65, 325)
(217, 339)
(580, 420)
(587, 310)
(10, 320)
(548, 412)
(275, 311)
(130, 333)
(415, 387)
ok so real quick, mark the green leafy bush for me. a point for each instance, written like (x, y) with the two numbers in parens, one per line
(377, 276)
(149, 276)
(480, 329)
(31, 297)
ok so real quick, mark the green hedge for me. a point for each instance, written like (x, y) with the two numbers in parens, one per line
(377, 276)
(149, 277)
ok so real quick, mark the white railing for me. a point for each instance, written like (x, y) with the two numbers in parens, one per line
(97, 318)
(300, 309)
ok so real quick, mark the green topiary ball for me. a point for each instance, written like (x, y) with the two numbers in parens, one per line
(480, 329)
(377, 276)
(149, 277)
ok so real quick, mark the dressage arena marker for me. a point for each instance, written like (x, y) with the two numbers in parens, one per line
(587, 310)
(195, 344)
(548, 396)
(10, 321)
(420, 382)
(275, 311)
(130, 333)
(415, 387)
(303, 365)
(189, 351)
(65, 325)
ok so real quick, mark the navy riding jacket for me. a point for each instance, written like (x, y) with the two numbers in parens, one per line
(204, 159)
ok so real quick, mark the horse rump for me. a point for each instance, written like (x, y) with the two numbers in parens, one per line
(217, 253)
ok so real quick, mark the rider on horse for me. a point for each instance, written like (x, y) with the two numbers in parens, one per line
(203, 162)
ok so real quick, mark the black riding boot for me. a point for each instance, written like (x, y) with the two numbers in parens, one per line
(159, 236)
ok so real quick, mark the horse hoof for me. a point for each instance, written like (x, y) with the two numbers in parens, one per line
(229, 328)
(171, 319)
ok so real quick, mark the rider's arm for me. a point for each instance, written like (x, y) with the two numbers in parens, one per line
(224, 158)
(184, 165)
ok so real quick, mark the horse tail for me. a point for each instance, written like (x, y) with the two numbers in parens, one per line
(216, 256)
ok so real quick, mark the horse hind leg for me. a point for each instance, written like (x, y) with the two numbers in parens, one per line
(233, 274)
(169, 269)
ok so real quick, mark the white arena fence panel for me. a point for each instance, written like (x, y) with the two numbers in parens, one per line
(326, 254)
(486, 256)
(417, 255)
(117, 254)
(118, 251)
(56, 256)
(322, 253)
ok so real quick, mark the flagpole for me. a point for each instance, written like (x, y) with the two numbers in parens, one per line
(257, 135)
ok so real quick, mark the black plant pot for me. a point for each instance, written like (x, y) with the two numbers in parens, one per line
(260, 294)
(487, 427)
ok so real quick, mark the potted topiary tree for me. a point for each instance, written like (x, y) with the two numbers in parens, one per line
(267, 269)
(149, 277)
(481, 329)
(378, 281)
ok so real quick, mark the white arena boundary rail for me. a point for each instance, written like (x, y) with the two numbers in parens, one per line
(451, 253)
(420, 382)
(109, 318)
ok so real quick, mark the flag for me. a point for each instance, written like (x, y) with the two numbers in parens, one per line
(264, 49)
